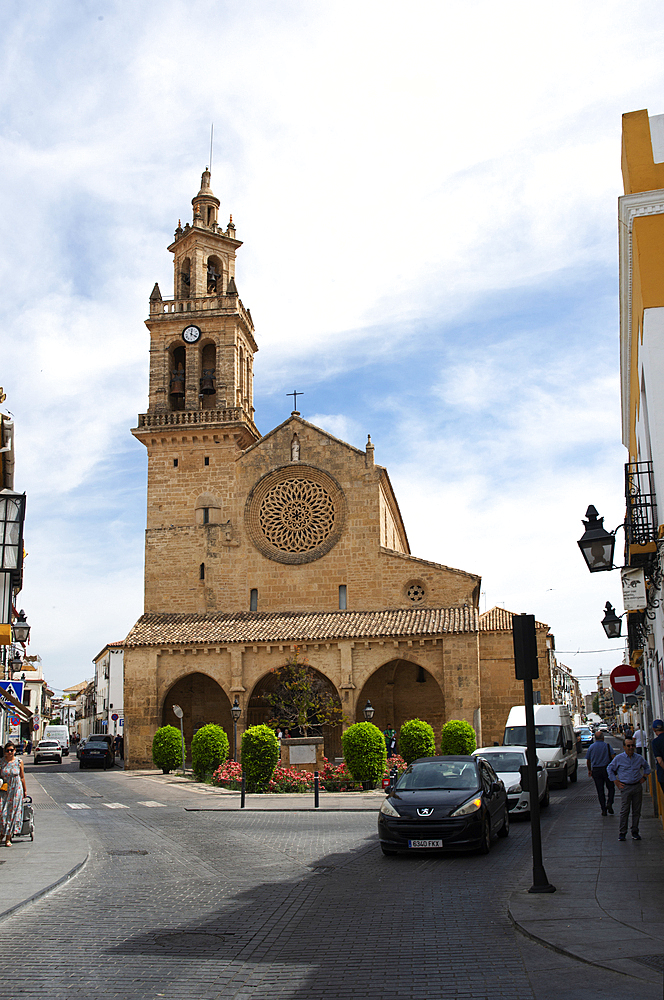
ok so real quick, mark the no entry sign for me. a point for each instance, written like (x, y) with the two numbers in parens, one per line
(625, 679)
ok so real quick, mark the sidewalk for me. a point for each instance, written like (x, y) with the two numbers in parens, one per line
(29, 869)
(608, 909)
(222, 799)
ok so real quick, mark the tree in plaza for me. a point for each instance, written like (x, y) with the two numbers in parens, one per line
(596, 704)
(300, 698)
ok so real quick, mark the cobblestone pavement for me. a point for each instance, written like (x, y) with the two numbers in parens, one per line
(295, 906)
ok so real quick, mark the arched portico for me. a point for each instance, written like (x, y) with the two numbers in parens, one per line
(259, 711)
(202, 700)
(402, 690)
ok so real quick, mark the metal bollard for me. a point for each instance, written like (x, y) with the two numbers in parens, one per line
(244, 790)
(316, 790)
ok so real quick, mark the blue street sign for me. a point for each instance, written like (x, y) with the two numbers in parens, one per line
(15, 688)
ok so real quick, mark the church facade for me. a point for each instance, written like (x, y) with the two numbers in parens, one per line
(260, 545)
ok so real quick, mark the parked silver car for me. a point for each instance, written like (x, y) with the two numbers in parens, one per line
(506, 762)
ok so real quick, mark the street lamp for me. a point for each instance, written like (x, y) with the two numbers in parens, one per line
(236, 712)
(611, 623)
(20, 628)
(369, 711)
(596, 543)
(15, 662)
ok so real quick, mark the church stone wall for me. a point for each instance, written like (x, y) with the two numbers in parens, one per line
(500, 688)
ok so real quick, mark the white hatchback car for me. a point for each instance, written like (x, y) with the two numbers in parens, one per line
(506, 762)
(48, 750)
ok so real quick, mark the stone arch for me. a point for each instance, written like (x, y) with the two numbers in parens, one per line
(202, 700)
(177, 364)
(258, 711)
(401, 690)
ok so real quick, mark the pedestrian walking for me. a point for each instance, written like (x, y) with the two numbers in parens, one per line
(658, 750)
(640, 740)
(629, 771)
(12, 793)
(598, 758)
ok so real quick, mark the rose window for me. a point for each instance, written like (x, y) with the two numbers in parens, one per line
(297, 515)
(416, 593)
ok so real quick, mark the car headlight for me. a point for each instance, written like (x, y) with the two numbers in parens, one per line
(468, 807)
(514, 790)
(553, 763)
(388, 809)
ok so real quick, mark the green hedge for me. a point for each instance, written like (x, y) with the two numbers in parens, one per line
(167, 748)
(364, 751)
(457, 737)
(209, 750)
(416, 739)
(259, 756)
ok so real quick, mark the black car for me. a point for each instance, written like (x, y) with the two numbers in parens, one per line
(448, 803)
(98, 751)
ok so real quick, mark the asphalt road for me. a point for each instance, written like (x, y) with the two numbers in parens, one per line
(210, 905)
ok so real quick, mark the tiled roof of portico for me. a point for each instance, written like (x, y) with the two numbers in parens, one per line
(500, 620)
(297, 626)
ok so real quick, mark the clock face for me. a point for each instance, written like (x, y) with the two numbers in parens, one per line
(191, 334)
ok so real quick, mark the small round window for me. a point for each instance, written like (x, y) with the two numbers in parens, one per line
(415, 593)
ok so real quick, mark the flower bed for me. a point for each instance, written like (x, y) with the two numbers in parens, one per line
(397, 762)
(287, 779)
(333, 778)
(229, 775)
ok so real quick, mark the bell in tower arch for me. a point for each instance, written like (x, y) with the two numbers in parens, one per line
(177, 382)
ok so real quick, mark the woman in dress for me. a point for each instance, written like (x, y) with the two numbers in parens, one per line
(11, 800)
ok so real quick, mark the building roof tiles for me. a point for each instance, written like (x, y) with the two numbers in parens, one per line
(296, 626)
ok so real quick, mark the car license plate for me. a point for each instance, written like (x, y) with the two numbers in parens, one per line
(425, 843)
(97, 753)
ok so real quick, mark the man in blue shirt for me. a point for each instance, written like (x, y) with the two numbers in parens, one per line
(628, 770)
(598, 757)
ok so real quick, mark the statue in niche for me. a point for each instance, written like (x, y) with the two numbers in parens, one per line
(295, 449)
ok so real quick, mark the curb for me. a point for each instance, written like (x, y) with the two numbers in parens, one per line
(43, 892)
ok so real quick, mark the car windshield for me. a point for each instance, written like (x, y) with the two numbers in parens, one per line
(443, 774)
(505, 761)
(47, 744)
(545, 736)
(585, 732)
(96, 743)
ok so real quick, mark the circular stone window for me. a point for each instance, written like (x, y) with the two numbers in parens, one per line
(295, 517)
(415, 593)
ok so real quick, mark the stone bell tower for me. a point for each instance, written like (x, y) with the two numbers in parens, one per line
(200, 412)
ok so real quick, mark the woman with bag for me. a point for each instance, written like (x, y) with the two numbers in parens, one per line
(13, 791)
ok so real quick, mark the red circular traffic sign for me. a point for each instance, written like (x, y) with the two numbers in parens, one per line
(625, 679)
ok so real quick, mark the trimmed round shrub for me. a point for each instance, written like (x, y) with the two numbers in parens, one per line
(365, 752)
(259, 756)
(457, 737)
(167, 748)
(416, 739)
(209, 750)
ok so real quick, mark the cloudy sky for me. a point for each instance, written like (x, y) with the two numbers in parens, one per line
(427, 196)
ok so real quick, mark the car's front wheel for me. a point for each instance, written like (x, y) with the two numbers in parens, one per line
(485, 842)
(505, 828)
(563, 783)
(545, 799)
(575, 773)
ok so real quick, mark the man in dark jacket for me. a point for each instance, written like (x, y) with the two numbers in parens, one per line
(598, 756)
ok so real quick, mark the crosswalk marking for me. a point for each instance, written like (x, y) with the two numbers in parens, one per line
(115, 805)
(151, 804)
(78, 805)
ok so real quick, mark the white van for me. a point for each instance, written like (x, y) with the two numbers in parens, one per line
(59, 733)
(554, 738)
